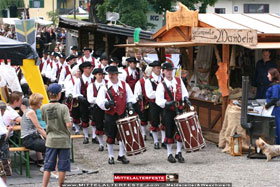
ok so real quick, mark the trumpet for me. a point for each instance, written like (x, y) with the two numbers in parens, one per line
(75, 103)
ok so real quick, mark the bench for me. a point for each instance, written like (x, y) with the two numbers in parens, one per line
(19, 150)
(79, 136)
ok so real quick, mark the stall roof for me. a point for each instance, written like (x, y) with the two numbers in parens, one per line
(264, 45)
(266, 23)
(100, 27)
(263, 23)
(162, 44)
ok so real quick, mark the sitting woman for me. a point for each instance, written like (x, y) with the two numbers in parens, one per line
(31, 131)
(273, 99)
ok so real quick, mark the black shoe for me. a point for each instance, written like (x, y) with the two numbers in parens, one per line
(77, 133)
(163, 145)
(94, 140)
(39, 163)
(111, 161)
(85, 141)
(123, 159)
(179, 157)
(171, 159)
(73, 128)
(101, 148)
(156, 146)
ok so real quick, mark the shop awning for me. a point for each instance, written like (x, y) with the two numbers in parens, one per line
(163, 44)
(264, 45)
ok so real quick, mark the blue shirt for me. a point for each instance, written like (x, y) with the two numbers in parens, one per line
(39, 116)
(260, 80)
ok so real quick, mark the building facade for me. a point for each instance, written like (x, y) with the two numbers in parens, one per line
(245, 6)
(40, 8)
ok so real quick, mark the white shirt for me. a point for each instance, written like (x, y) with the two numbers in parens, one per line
(51, 71)
(90, 94)
(10, 116)
(160, 100)
(101, 96)
(45, 65)
(69, 86)
(77, 86)
(3, 128)
(138, 89)
(62, 76)
(131, 72)
(151, 94)
(85, 59)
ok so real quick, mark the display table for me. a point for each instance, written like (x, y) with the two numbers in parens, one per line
(209, 113)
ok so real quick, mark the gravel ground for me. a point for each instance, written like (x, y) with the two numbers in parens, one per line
(207, 165)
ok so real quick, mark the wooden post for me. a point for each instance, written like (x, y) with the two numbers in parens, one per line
(225, 60)
(162, 54)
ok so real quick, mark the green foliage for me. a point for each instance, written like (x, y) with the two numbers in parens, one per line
(53, 15)
(204, 3)
(7, 3)
(132, 12)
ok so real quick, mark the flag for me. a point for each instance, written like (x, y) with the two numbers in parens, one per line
(26, 32)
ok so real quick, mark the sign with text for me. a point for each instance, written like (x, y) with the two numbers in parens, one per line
(224, 36)
(182, 17)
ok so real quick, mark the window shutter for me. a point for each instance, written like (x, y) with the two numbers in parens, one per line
(41, 3)
(31, 4)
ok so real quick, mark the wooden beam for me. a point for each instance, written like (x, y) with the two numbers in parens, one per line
(182, 34)
(226, 58)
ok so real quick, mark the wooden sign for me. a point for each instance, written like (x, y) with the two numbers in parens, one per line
(224, 36)
(182, 17)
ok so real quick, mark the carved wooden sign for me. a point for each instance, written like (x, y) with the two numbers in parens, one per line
(182, 17)
(224, 36)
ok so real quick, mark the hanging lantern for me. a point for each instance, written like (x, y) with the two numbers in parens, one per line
(236, 145)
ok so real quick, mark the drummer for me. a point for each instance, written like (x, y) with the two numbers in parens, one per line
(97, 114)
(172, 106)
(114, 98)
(154, 110)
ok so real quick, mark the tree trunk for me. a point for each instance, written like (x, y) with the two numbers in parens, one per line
(92, 10)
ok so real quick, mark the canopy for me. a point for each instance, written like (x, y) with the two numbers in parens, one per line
(43, 22)
(16, 51)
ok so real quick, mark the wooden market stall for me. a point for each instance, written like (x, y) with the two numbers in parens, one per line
(187, 29)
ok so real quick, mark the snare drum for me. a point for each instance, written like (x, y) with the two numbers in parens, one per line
(131, 136)
(190, 130)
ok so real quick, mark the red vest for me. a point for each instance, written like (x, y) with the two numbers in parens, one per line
(92, 61)
(178, 96)
(129, 79)
(142, 83)
(42, 64)
(84, 87)
(120, 101)
(154, 85)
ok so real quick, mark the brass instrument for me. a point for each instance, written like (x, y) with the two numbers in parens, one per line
(75, 103)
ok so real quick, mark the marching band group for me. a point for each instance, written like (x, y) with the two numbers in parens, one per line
(98, 93)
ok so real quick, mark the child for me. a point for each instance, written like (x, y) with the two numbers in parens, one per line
(5, 169)
(58, 122)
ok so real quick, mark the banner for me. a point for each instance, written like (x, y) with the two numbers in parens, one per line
(26, 32)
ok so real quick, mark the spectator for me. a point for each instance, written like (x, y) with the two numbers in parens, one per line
(58, 122)
(5, 169)
(31, 131)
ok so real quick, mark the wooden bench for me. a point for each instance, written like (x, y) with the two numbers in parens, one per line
(19, 150)
(79, 136)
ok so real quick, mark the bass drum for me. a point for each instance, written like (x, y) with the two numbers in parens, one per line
(190, 130)
(131, 136)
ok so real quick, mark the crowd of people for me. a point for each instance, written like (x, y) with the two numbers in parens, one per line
(94, 94)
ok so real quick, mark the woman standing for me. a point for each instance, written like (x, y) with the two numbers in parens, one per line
(272, 98)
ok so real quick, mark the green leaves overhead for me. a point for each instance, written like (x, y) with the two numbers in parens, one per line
(7, 3)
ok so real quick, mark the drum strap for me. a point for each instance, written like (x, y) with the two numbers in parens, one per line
(170, 95)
